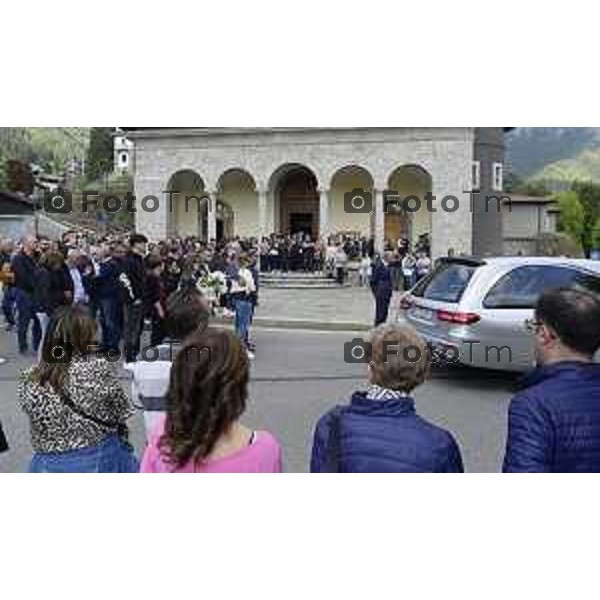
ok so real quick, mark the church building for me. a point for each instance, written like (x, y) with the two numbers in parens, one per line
(258, 181)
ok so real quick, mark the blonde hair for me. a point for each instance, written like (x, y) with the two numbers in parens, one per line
(400, 358)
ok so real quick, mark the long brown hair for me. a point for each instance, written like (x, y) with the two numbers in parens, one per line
(207, 395)
(70, 333)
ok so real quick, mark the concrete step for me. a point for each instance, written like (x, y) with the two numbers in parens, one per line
(293, 276)
(298, 281)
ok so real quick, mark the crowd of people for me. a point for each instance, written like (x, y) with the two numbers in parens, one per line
(194, 390)
(123, 283)
(126, 282)
(333, 255)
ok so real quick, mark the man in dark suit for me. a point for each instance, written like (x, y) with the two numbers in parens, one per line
(382, 287)
(133, 280)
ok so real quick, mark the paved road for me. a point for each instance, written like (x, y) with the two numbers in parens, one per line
(297, 376)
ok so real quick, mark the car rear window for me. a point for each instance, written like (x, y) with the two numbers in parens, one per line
(522, 287)
(447, 283)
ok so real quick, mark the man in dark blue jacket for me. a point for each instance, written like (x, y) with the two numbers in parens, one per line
(380, 431)
(24, 267)
(107, 288)
(382, 287)
(554, 423)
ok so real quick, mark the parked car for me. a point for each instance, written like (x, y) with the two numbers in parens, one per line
(476, 311)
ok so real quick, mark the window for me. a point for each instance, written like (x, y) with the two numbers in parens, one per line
(124, 158)
(476, 176)
(522, 287)
(447, 283)
(498, 175)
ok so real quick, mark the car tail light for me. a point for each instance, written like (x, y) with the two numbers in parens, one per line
(460, 318)
(406, 302)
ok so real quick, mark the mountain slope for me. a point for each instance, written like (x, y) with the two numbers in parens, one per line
(59, 144)
(554, 153)
(49, 146)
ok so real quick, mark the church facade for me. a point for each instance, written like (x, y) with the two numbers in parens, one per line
(323, 182)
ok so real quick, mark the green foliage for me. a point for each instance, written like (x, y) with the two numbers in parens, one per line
(596, 235)
(14, 145)
(100, 157)
(571, 215)
(580, 214)
(54, 146)
(532, 149)
(589, 196)
(3, 177)
(49, 147)
(516, 185)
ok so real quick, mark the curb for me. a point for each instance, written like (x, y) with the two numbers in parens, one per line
(299, 324)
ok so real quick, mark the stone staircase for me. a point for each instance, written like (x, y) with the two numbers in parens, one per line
(299, 281)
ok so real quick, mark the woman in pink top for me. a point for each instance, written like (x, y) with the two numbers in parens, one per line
(207, 397)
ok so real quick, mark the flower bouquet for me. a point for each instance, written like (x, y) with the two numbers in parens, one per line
(212, 286)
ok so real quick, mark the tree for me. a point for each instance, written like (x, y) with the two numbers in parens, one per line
(572, 216)
(15, 144)
(514, 184)
(589, 197)
(596, 235)
(19, 177)
(100, 157)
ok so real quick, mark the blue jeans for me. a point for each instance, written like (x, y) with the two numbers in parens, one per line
(8, 304)
(243, 316)
(25, 307)
(109, 321)
(111, 456)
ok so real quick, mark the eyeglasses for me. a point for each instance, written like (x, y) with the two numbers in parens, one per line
(533, 325)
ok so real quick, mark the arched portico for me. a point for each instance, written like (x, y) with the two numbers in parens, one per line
(410, 217)
(245, 168)
(296, 200)
(238, 200)
(186, 204)
(347, 217)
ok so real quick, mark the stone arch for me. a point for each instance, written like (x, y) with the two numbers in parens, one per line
(186, 205)
(347, 219)
(237, 192)
(295, 191)
(401, 219)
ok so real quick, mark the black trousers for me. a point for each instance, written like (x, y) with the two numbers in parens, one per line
(382, 312)
(132, 330)
(157, 337)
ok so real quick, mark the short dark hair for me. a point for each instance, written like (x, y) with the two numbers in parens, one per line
(575, 317)
(152, 262)
(137, 238)
(187, 311)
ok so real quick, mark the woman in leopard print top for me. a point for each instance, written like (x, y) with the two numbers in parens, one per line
(77, 410)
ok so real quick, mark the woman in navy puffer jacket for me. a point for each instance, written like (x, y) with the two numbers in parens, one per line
(381, 432)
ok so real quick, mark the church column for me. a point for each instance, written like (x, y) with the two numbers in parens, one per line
(212, 215)
(324, 213)
(263, 225)
(379, 221)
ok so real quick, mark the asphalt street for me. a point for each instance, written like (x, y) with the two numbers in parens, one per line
(298, 376)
